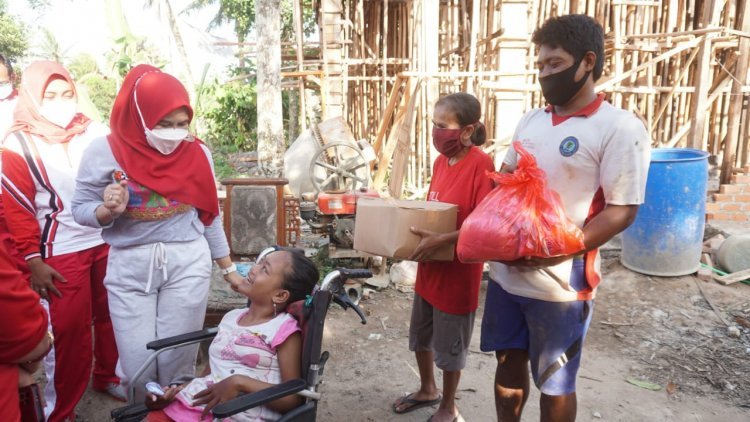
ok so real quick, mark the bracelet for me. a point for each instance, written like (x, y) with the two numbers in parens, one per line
(230, 269)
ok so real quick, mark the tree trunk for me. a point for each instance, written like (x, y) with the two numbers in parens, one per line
(270, 120)
(293, 128)
(180, 46)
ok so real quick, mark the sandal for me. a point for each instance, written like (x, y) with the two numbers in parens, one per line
(413, 404)
(454, 419)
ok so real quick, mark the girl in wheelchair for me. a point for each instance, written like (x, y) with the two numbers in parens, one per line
(255, 348)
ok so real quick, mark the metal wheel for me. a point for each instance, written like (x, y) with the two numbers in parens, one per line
(338, 167)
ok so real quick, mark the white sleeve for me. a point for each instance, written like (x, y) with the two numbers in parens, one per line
(626, 154)
(511, 157)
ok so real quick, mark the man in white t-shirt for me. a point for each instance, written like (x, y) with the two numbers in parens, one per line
(8, 95)
(596, 157)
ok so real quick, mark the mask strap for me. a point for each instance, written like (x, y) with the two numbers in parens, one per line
(577, 64)
(135, 99)
(138, 109)
(33, 100)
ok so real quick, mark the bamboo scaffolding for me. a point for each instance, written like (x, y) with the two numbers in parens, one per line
(673, 62)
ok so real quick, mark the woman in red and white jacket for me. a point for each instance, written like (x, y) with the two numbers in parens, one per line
(40, 159)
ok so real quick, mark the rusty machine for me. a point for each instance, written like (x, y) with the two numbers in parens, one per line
(339, 173)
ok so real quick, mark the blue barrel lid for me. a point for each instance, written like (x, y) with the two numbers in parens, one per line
(671, 155)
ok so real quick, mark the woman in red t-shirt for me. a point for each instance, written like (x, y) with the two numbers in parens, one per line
(447, 293)
(23, 330)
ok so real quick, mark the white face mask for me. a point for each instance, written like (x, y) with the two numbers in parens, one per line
(5, 91)
(164, 140)
(60, 113)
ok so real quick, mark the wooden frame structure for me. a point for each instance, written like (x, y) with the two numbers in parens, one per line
(682, 65)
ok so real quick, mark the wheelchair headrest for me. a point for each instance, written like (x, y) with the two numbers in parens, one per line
(298, 311)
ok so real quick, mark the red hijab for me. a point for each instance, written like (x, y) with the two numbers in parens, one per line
(184, 175)
(27, 118)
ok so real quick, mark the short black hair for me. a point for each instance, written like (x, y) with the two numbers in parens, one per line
(467, 111)
(301, 277)
(5, 61)
(576, 34)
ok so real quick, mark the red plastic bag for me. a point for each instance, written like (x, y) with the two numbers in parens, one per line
(521, 217)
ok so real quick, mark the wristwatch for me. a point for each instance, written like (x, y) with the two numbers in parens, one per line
(230, 269)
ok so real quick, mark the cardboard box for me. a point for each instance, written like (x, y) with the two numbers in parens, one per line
(382, 226)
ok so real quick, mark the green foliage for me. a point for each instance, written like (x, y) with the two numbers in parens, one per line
(287, 19)
(82, 65)
(13, 37)
(99, 90)
(239, 12)
(229, 116)
(38, 4)
(242, 14)
(130, 51)
(323, 261)
(102, 91)
(50, 49)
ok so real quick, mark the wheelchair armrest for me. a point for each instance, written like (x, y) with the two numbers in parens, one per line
(306, 412)
(192, 337)
(248, 401)
(133, 412)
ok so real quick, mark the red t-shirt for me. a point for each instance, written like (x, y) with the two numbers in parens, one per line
(453, 287)
(23, 324)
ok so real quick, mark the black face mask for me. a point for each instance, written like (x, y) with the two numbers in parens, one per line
(560, 87)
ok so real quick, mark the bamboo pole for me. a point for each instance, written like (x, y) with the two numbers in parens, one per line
(473, 42)
(300, 62)
(735, 109)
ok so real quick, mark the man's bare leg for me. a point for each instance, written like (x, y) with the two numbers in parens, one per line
(511, 384)
(558, 408)
(427, 387)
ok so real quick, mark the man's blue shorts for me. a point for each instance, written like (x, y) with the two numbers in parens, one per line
(551, 332)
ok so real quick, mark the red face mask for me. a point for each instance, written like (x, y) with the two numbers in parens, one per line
(447, 141)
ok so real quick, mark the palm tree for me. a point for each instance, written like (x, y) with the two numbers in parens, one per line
(50, 49)
(239, 12)
(165, 12)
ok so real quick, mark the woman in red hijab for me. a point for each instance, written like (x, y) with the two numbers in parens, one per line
(40, 160)
(150, 186)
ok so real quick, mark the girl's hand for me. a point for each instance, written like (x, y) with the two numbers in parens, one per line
(217, 393)
(154, 402)
(430, 241)
(42, 278)
(116, 197)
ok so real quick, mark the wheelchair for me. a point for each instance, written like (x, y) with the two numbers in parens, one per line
(311, 317)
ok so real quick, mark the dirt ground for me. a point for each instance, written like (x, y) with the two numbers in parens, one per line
(659, 330)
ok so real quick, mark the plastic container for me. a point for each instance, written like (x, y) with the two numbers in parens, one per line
(666, 238)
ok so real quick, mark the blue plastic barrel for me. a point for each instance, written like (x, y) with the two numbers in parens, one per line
(666, 238)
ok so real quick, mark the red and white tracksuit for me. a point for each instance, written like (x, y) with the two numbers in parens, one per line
(39, 179)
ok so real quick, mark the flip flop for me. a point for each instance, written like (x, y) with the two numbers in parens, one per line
(413, 404)
(454, 419)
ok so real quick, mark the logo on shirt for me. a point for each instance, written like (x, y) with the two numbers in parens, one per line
(568, 146)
